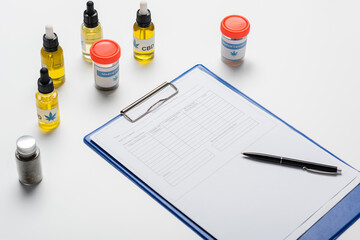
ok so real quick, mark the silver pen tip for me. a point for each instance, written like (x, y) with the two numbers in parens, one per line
(338, 171)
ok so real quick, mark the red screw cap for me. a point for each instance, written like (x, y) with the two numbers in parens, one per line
(235, 26)
(105, 51)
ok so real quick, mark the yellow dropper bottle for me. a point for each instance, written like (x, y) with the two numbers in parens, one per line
(91, 30)
(47, 102)
(144, 35)
(52, 56)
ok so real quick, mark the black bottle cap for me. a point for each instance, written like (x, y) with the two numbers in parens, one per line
(143, 20)
(45, 83)
(51, 45)
(91, 18)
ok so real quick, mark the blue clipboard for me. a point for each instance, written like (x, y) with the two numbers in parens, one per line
(330, 226)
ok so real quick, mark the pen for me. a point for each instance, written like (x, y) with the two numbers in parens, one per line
(308, 166)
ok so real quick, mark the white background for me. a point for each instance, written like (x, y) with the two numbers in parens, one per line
(302, 63)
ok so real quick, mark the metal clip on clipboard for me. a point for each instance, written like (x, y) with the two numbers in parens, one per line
(147, 96)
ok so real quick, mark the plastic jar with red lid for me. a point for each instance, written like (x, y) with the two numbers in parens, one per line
(234, 29)
(105, 54)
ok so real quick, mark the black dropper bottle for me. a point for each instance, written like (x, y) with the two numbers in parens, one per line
(45, 83)
(91, 18)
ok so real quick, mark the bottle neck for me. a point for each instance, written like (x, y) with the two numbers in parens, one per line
(47, 96)
(91, 21)
(143, 20)
(50, 45)
(29, 157)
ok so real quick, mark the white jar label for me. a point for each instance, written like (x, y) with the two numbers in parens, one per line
(106, 77)
(47, 116)
(233, 49)
(141, 45)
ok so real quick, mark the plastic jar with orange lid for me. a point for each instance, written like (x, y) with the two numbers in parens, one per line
(234, 29)
(105, 55)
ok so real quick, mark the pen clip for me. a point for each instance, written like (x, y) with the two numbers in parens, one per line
(322, 172)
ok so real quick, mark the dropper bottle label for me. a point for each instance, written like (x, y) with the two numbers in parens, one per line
(144, 45)
(144, 34)
(47, 116)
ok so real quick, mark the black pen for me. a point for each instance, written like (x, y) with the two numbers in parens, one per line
(308, 166)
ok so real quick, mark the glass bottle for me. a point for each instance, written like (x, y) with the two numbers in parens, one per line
(144, 35)
(52, 56)
(91, 30)
(28, 160)
(47, 102)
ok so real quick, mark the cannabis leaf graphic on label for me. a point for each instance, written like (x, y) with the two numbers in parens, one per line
(115, 78)
(136, 45)
(233, 53)
(51, 117)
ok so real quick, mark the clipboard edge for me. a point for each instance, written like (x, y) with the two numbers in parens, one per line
(328, 227)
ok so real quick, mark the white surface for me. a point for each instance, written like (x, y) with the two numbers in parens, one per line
(301, 63)
(189, 150)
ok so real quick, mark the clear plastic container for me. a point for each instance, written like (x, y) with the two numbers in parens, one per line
(105, 55)
(234, 30)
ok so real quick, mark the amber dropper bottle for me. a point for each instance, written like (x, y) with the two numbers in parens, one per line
(91, 30)
(144, 35)
(52, 56)
(47, 102)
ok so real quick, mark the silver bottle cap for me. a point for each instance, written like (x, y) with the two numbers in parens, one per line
(26, 146)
